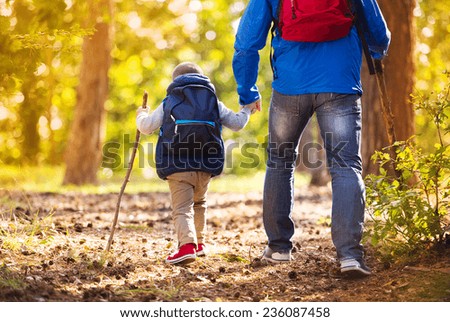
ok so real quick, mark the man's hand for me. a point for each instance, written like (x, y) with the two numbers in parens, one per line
(255, 106)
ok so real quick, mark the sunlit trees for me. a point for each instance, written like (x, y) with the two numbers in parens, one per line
(84, 148)
(38, 58)
(41, 64)
(399, 74)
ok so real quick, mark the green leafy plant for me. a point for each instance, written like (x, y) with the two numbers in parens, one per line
(411, 213)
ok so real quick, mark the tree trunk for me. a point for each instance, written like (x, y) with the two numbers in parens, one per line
(83, 152)
(29, 116)
(399, 73)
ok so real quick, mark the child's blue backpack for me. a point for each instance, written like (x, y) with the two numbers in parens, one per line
(190, 136)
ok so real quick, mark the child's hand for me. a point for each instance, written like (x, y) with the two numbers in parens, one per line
(141, 110)
(255, 106)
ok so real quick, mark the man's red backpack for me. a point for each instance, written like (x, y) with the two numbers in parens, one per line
(314, 20)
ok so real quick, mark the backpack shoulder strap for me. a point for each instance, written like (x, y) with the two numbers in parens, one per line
(275, 26)
(359, 28)
(210, 89)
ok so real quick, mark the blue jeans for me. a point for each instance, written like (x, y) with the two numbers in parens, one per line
(339, 118)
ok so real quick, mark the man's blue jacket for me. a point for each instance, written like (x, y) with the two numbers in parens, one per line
(301, 67)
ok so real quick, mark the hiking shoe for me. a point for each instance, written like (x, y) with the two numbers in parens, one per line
(200, 251)
(184, 255)
(354, 269)
(276, 257)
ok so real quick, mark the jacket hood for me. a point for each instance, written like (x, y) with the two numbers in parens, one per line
(190, 79)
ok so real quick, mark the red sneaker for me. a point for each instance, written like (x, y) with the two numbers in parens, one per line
(201, 250)
(184, 255)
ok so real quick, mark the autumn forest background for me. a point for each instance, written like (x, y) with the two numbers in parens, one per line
(72, 74)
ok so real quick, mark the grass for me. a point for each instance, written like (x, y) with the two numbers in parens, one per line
(169, 293)
(233, 258)
(440, 288)
(49, 179)
(137, 228)
(19, 233)
(9, 280)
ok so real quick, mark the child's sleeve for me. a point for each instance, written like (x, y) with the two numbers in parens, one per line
(232, 120)
(149, 122)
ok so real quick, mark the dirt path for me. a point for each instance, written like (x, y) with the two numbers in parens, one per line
(60, 257)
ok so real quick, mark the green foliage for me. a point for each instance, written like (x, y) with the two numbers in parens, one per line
(40, 55)
(41, 43)
(157, 35)
(412, 212)
(433, 43)
(432, 51)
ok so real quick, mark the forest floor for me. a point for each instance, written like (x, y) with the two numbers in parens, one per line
(52, 249)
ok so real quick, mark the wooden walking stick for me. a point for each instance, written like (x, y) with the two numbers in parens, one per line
(388, 116)
(375, 67)
(127, 178)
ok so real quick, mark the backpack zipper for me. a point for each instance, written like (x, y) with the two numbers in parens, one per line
(175, 121)
(192, 122)
(294, 16)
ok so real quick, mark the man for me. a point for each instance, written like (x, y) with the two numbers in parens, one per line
(310, 77)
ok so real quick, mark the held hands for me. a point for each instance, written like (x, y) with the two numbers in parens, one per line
(255, 106)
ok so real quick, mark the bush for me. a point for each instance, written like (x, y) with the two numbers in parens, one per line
(410, 212)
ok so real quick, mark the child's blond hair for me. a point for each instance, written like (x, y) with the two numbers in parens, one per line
(186, 68)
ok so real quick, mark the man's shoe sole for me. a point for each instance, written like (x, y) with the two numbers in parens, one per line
(274, 261)
(355, 272)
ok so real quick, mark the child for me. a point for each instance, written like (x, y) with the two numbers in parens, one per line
(189, 151)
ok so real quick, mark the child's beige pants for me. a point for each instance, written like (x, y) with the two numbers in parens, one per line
(188, 193)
